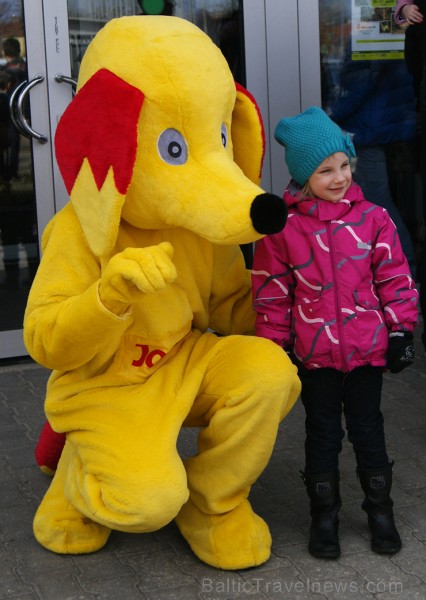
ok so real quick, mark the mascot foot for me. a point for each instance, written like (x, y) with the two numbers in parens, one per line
(238, 539)
(64, 530)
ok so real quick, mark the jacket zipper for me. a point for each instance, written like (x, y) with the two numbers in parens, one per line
(336, 298)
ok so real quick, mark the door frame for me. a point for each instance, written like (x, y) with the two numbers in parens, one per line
(283, 73)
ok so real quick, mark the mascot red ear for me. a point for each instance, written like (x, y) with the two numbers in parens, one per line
(100, 124)
(96, 145)
(248, 135)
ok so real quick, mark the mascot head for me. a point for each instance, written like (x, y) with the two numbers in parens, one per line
(159, 135)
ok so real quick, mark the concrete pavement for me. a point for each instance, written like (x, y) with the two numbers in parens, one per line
(160, 565)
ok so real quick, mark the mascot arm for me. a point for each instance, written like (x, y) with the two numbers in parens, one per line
(65, 323)
(135, 271)
(230, 307)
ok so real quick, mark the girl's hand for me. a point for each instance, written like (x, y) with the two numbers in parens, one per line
(400, 351)
(412, 14)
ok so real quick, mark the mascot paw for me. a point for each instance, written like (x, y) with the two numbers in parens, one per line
(238, 539)
(67, 531)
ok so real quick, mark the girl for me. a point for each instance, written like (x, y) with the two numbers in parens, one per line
(334, 290)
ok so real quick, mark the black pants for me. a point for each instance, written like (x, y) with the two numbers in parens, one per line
(326, 393)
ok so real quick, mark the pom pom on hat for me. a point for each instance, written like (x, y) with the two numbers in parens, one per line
(308, 139)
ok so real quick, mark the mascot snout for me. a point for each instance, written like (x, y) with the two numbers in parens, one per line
(268, 213)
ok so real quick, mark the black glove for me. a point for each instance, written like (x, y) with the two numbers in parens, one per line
(400, 351)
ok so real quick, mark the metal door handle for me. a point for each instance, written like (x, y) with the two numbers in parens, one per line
(12, 100)
(65, 79)
(17, 113)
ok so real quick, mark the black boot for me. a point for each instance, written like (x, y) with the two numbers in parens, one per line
(376, 485)
(323, 492)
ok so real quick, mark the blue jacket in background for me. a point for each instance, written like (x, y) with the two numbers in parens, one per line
(375, 102)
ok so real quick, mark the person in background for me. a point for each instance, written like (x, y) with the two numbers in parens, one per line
(334, 290)
(4, 125)
(376, 105)
(16, 69)
(415, 59)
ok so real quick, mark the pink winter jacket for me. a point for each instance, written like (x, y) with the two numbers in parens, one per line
(334, 282)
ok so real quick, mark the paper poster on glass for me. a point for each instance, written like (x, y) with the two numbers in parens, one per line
(375, 35)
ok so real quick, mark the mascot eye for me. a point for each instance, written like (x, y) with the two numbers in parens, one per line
(172, 147)
(224, 135)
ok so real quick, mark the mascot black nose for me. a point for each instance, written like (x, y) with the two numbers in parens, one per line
(268, 213)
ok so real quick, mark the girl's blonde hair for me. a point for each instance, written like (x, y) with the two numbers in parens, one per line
(306, 191)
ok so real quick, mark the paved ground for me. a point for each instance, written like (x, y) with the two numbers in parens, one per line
(160, 566)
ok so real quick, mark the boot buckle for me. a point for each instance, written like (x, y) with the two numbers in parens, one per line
(377, 482)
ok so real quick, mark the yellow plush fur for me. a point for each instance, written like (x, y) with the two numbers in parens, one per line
(137, 272)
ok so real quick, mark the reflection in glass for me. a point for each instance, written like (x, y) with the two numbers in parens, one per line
(222, 20)
(19, 255)
(368, 91)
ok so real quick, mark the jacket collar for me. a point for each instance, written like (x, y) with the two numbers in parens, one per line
(322, 209)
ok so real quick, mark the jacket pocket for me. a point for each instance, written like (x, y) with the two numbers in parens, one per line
(366, 299)
(311, 339)
(372, 330)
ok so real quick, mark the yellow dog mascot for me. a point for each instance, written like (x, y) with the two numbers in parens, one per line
(161, 154)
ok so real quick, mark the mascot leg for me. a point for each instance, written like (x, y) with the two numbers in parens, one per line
(58, 526)
(248, 388)
(120, 467)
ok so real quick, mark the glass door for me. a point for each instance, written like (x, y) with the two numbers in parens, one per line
(222, 20)
(19, 231)
(367, 89)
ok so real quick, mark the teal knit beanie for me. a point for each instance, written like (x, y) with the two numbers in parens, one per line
(308, 139)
